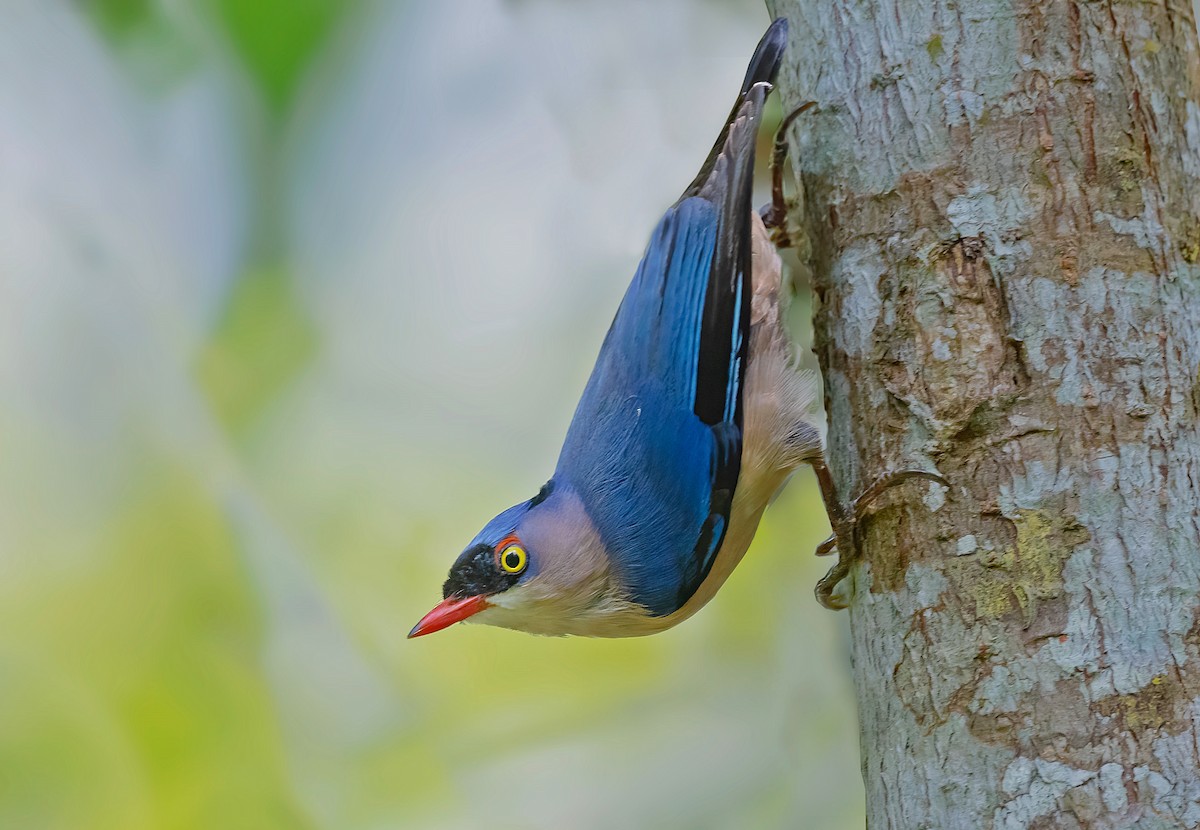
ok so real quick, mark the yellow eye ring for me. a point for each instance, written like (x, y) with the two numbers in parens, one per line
(513, 559)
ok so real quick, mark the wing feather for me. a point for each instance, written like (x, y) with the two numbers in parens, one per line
(654, 449)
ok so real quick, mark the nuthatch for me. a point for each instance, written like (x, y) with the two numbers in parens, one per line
(694, 416)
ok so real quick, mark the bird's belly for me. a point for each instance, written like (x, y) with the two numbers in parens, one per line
(777, 400)
(771, 413)
(755, 489)
(753, 495)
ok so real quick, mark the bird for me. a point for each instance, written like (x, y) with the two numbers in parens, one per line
(694, 417)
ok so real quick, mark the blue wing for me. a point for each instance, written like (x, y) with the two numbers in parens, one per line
(655, 447)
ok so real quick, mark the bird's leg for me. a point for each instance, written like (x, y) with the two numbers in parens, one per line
(844, 538)
(775, 215)
(845, 520)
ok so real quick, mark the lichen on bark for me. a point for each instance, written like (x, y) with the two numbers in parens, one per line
(1001, 202)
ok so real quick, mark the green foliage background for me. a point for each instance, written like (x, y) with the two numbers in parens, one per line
(231, 477)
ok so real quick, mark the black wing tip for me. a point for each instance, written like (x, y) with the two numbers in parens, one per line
(730, 168)
(768, 55)
(759, 81)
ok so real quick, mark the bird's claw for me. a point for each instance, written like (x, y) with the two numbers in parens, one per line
(827, 584)
(845, 520)
(775, 215)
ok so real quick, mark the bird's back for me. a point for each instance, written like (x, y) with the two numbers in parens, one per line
(655, 448)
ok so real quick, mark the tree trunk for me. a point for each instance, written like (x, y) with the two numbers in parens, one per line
(1000, 205)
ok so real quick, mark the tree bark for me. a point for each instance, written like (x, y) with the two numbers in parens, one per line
(1000, 206)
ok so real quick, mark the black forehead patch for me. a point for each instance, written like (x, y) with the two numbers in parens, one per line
(542, 494)
(475, 573)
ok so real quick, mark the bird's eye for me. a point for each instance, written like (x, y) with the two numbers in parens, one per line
(513, 559)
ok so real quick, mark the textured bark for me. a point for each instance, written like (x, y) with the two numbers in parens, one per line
(1000, 206)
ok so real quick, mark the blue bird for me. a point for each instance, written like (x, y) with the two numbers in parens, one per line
(694, 416)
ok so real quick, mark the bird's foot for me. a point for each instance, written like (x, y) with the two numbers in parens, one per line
(775, 215)
(845, 520)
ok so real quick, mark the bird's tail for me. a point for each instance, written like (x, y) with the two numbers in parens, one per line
(763, 68)
(726, 181)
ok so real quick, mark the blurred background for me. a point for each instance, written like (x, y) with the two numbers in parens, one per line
(294, 296)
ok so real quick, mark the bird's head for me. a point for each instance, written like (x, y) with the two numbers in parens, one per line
(538, 567)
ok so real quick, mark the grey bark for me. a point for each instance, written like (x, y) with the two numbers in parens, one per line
(1000, 206)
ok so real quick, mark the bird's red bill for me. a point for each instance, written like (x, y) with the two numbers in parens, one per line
(447, 613)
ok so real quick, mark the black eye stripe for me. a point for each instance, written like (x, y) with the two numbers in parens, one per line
(477, 573)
